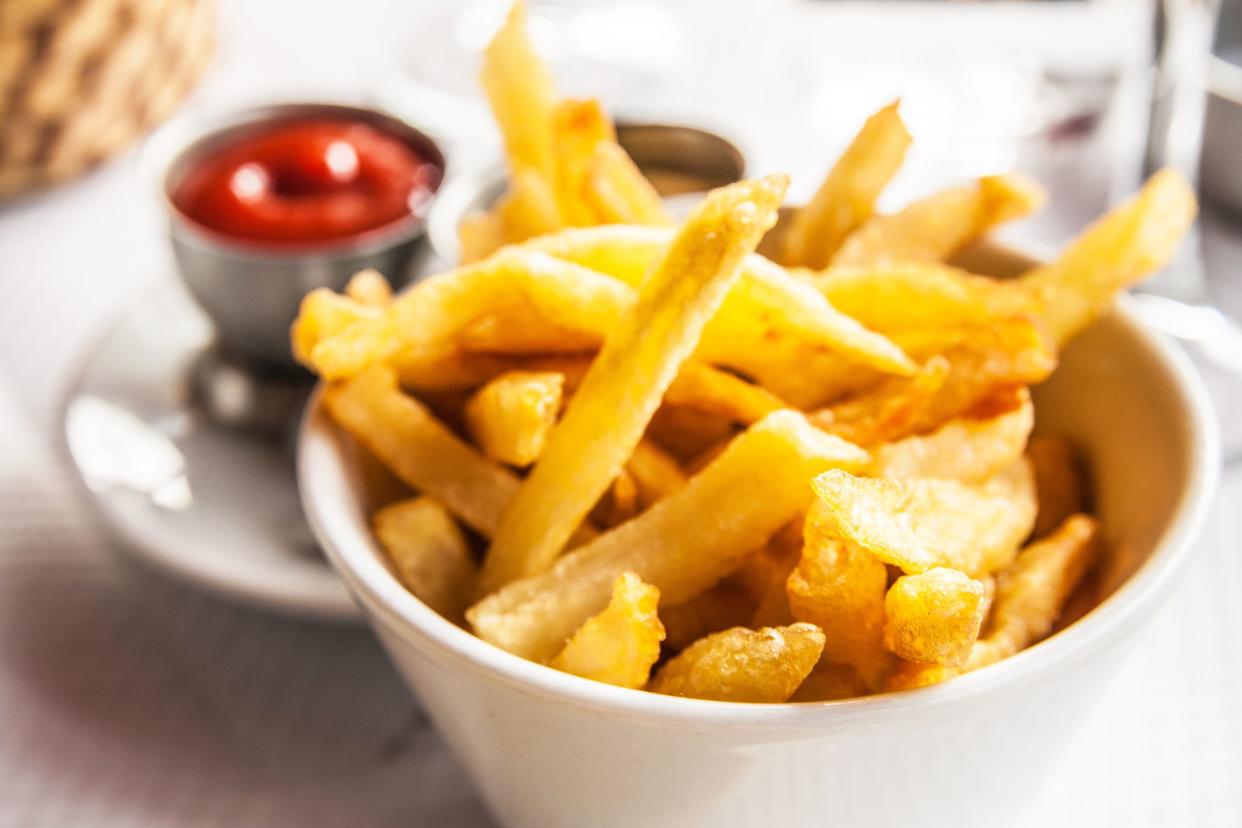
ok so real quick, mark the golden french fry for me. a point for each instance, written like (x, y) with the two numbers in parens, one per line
(711, 391)
(369, 287)
(519, 89)
(607, 415)
(528, 209)
(656, 475)
(321, 315)
(886, 411)
(621, 644)
(510, 417)
(839, 587)
(847, 196)
(1030, 595)
(741, 665)
(918, 525)
(934, 617)
(578, 127)
(962, 449)
(934, 228)
(429, 552)
(618, 192)
(419, 449)
(727, 604)
(427, 372)
(683, 544)
(1060, 481)
(1117, 250)
(479, 235)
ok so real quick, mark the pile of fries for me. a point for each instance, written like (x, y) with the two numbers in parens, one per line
(652, 457)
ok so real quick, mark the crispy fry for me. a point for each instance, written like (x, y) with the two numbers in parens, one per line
(847, 197)
(886, 411)
(962, 449)
(839, 587)
(934, 617)
(421, 450)
(510, 417)
(323, 314)
(369, 287)
(1060, 481)
(934, 228)
(712, 391)
(1117, 250)
(618, 192)
(519, 89)
(918, 525)
(671, 544)
(429, 553)
(621, 644)
(607, 416)
(741, 665)
(578, 127)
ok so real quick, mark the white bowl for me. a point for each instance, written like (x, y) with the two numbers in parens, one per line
(550, 749)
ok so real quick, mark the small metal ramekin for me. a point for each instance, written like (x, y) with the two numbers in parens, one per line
(251, 290)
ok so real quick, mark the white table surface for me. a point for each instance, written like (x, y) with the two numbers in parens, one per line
(130, 700)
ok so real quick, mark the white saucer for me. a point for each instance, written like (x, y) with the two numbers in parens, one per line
(211, 505)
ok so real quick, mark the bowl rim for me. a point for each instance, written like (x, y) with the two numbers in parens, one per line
(385, 600)
(176, 140)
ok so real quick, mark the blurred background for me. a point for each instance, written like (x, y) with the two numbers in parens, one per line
(128, 698)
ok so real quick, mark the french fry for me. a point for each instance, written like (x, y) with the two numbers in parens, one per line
(578, 127)
(420, 450)
(655, 473)
(479, 235)
(1060, 481)
(741, 665)
(1030, 595)
(369, 287)
(621, 644)
(1117, 250)
(847, 196)
(510, 417)
(429, 553)
(886, 411)
(934, 228)
(934, 617)
(918, 525)
(607, 415)
(769, 572)
(682, 545)
(839, 587)
(964, 449)
(323, 314)
(529, 208)
(619, 503)
(520, 91)
(711, 391)
(618, 191)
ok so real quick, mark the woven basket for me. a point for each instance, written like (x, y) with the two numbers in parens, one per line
(80, 79)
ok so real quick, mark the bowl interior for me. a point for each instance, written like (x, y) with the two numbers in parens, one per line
(1130, 401)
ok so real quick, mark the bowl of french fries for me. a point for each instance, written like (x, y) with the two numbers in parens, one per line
(807, 516)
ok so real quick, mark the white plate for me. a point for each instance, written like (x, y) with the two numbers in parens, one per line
(211, 505)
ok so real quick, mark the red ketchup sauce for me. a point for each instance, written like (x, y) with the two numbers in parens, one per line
(306, 182)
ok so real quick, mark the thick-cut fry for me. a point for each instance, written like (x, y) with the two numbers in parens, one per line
(934, 617)
(962, 449)
(421, 450)
(429, 552)
(620, 644)
(932, 229)
(655, 473)
(323, 314)
(921, 524)
(741, 665)
(1030, 596)
(578, 127)
(1060, 481)
(712, 391)
(369, 287)
(847, 197)
(839, 587)
(619, 192)
(606, 418)
(1117, 250)
(520, 91)
(683, 544)
(886, 411)
(510, 417)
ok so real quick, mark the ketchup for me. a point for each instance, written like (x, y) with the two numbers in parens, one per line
(307, 181)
